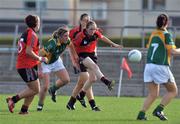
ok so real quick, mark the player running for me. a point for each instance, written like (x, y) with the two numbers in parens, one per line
(52, 50)
(27, 62)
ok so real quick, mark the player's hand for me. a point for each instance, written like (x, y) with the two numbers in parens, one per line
(43, 59)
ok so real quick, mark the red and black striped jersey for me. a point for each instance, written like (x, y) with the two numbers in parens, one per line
(85, 43)
(28, 38)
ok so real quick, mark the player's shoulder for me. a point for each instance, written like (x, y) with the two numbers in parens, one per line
(74, 29)
(51, 41)
(31, 31)
(166, 33)
(98, 34)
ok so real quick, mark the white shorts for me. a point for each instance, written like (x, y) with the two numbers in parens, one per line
(158, 74)
(53, 67)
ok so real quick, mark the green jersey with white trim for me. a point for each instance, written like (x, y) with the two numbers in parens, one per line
(54, 49)
(159, 47)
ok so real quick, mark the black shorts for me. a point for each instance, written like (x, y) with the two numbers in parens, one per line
(82, 56)
(29, 74)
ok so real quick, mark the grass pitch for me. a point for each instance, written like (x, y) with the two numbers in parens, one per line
(122, 110)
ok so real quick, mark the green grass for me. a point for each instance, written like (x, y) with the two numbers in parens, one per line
(114, 111)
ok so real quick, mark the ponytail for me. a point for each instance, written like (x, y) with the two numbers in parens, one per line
(162, 20)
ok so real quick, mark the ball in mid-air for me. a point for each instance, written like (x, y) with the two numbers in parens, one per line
(134, 55)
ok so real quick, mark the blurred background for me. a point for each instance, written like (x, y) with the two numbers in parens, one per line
(126, 22)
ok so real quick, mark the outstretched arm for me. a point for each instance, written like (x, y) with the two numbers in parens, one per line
(175, 51)
(106, 40)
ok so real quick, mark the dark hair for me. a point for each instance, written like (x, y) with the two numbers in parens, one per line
(31, 21)
(90, 23)
(162, 20)
(60, 32)
(83, 15)
(81, 18)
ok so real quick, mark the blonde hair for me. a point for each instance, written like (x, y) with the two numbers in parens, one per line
(60, 32)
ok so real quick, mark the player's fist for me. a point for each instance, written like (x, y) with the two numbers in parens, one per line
(43, 59)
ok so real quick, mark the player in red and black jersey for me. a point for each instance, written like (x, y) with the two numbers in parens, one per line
(27, 61)
(83, 76)
(86, 42)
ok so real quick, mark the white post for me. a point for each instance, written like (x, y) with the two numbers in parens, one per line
(120, 82)
(14, 48)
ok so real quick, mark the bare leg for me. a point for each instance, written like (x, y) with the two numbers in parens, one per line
(172, 92)
(92, 78)
(32, 89)
(63, 80)
(81, 81)
(93, 67)
(152, 95)
(89, 94)
(44, 88)
(35, 86)
(88, 62)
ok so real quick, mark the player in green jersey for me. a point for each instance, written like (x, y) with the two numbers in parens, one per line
(157, 71)
(52, 50)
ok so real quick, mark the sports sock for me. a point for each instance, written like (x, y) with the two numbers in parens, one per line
(141, 115)
(105, 81)
(72, 101)
(54, 87)
(160, 107)
(82, 94)
(92, 103)
(15, 99)
(24, 108)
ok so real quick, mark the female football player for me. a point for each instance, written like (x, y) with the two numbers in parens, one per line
(157, 69)
(52, 50)
(83, 76)
(86, 42)
(27, 64)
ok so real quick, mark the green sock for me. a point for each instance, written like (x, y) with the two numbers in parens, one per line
(141, 115)
(160, 107)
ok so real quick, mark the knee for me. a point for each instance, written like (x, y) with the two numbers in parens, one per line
(175, 92)
(67, 81)
(92, 79)
(36, 91)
